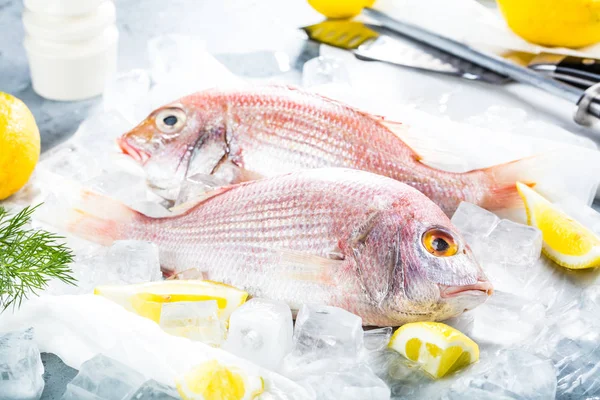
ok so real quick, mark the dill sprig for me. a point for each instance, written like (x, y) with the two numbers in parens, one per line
(29, 258)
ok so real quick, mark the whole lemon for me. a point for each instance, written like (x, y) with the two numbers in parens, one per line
(340, 8)
(564, 23)
(19, 144)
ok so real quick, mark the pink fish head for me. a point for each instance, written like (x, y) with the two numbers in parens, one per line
(166, 142)
(415, 264)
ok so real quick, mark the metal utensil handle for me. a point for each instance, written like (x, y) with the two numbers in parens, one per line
(491, 62)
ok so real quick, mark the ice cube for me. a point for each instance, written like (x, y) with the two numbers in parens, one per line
(72, 162)
(126, 261)
(514, 244)
(125, 91)
(102, 378)
(463, 323)
(505, 319)
(404, 377)
(506, 373)
(21, 367)
(578, 368)
(583, 213)
(474, 394)
(151, 209)
(325, 339)
(356, 383)
(98, 134)
(501, 118)
(122, 186)
(176, 61)
(323, 70)
(152, 390)
(195, 186)
(590, 299)
(133, 261)
(171, 53)
(328, 331)
(377, 339)
(571, 340)
(474, 221)
(196, 320)
(261, 331)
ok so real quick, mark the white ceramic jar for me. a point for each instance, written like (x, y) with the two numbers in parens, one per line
(71, 46)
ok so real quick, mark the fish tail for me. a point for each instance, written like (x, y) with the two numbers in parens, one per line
(556, 175)
(93, 217)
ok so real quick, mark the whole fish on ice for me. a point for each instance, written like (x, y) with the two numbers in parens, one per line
(231, 136)
(341, 237)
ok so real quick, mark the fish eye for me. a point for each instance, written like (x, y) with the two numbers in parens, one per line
(170, 120)
(439, 242)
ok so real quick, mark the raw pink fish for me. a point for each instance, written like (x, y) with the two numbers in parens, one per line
(231, 136)
(341, 237)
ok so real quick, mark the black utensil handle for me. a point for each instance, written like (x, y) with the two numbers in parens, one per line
(576, 71)
(583, 68)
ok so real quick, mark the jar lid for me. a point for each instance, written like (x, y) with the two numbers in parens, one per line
(63, 8)
(67, 29)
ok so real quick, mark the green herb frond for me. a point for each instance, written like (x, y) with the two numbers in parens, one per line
(29, 258)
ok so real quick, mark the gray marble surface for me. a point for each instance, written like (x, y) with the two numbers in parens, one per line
(56, 376)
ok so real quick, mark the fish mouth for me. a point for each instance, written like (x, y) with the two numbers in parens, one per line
(138, 155)
(481, 288)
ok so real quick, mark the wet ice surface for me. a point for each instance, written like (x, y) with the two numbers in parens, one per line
(261, 331)
(498, 241)
(324, 337)
(124, 262)
(540, 315)
(102, 378)
(152, 390)
(328, 355)
(323, 70)
(377, 339)
(21, 366)
(196, 320)
(355, 383)
(540, 319)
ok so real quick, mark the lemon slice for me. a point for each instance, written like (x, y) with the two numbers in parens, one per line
(566, 241)
(213, 381)
(146, 299)
(438, 348)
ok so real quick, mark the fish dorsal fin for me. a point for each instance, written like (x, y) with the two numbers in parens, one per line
(201, 198)
(426, 146)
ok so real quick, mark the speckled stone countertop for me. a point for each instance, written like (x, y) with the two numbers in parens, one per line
(220, 23)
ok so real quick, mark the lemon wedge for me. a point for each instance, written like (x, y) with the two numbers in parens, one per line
(213, 381)
(146, 299)
(567, 242)
(438, 348)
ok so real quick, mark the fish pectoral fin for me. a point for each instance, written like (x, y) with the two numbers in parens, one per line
(245, 175)
(428, 149)
(376, 250)
(201, 198)
(310, 267)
